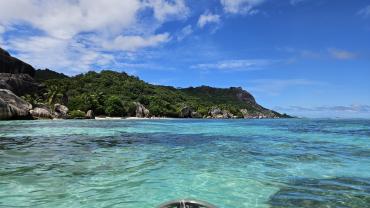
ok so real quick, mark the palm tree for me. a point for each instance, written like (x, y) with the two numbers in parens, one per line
(53, 94)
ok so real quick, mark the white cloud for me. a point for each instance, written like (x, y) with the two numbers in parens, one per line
(365, 12)
(240, 6)
(341, 54)
(185, 31)
(208, 18)
(335, 53)
(133, 43)
(65, 19)
(2, 29)
(236, 65)
(69, 57)
(78, 34)
(168, 9)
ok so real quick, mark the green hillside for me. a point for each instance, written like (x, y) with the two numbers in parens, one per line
(112, 93)
(46, 74)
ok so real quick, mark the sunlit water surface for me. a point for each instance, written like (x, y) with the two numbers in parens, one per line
(142, 163)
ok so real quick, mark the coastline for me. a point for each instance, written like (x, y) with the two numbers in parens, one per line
(132, 118)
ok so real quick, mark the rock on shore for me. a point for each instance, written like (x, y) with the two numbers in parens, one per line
(90, 115)
(60, 111)
(41, 113)
(13, 107)
(218, 113)
(141, 111)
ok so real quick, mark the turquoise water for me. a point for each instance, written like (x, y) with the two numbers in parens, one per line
(142, 163)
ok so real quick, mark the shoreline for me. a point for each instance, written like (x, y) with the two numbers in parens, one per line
(131, 118)
(139, 118)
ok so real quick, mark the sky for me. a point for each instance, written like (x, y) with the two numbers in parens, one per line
(307, 58)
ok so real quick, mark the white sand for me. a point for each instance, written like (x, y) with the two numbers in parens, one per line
(108, 118)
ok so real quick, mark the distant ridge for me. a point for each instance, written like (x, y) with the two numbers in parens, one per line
(47, 74)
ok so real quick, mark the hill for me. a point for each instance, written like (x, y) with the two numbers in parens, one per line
(47, 74)
(112, 93)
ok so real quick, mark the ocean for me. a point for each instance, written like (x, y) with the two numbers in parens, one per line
(281, 163)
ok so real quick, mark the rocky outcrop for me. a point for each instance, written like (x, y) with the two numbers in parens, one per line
(188, 112)
(234, 96)
(90, 115)
(13, 107)
(16, 75)
(60, 111)
(196, 115)
(227, 114)
(243, 95)
(19, 84)
(244, 113)
(11, 65)
(41, 113)
(141, 111)
(218, 113)
(258, 110)
(215, 113)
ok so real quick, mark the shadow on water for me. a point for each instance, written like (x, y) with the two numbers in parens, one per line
(323, 193)
(7, 143)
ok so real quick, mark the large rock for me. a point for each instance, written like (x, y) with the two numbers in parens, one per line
(19, 84)
(186, 112)
(60, 111)
(16, 75)
(245, 113)
(41, 113)
(218, 113)
(12, 106)
(90, 115)
(215, 113)
(141, 111)
(9, 64)
(227, 114)
(196, 115)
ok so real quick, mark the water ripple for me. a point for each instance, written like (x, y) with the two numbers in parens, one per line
(231, 163)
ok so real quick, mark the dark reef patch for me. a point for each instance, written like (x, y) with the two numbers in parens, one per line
(319, 193)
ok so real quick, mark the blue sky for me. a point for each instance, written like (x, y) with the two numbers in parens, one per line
(304, 57)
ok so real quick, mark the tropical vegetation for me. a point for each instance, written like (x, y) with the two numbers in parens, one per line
(114, 93)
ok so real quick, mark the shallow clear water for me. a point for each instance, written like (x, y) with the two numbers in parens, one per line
(230, 163)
